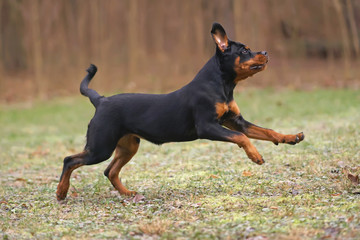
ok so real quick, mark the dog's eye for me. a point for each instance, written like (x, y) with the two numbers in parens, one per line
(245, 51)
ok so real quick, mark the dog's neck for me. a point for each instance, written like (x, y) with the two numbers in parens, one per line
(212, 74)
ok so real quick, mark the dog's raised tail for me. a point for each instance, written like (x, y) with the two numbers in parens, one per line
(90, 93)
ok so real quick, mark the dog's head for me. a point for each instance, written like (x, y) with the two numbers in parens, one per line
(236, 58)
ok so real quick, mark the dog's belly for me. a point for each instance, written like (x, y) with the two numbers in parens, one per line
(166, 138)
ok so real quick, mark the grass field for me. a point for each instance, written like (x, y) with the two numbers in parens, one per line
(198, 190)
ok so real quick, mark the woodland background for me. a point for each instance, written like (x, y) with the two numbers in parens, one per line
(159, 45)
(197, 190)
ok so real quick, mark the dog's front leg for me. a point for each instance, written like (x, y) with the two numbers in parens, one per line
(217, 133)
(238, 123)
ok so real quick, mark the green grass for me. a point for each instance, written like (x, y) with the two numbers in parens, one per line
(193, 190)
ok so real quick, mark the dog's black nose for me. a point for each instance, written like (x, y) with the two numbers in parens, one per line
(264, 53)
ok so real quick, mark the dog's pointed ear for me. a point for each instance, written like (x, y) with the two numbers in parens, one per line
(220, 38)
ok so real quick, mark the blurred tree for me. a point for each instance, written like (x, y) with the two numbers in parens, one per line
(141, 44)
(132, 34)
(353, 28)
(37, 46)
(328, 34)
(344, 35)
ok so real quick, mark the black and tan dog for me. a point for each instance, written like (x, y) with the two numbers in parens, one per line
(199, 110)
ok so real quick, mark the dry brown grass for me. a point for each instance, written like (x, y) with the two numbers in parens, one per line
(155, 226)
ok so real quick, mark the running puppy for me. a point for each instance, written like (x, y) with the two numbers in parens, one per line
(199, 110)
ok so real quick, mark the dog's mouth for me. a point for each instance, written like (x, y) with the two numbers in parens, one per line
(250, 67)
(257, 66)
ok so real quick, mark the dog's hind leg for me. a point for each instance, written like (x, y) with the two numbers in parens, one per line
(70, 164)
(73, 162)
(96, 153)
(125, 150)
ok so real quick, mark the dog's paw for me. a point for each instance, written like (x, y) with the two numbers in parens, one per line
(128, 193)
(259, 161)
(294, 139)
(257, 158)
(60, 196)
(253, 154)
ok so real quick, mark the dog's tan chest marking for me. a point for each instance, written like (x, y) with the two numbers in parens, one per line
(234, 107)
(223, 107)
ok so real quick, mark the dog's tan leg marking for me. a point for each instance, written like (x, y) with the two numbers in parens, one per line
(275, 137)
(243, 141)
(125, 150)
(64, 183)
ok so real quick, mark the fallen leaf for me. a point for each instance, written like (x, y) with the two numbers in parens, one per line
(213, 176)
(247, 173)
(274, 207)
(74, 194)
(353, 179)
(350, 219)
(137, 198)
(20, 179)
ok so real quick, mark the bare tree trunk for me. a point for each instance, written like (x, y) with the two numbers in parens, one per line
(327, 26)
(159, 21)
(95, 32)
(132, 35)
(186, 36)
(344, 36)
(199, 27)
(237, 8)
(37, 51)
(353, 29)
(1, 43)
(1, 53)
(141, 32)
